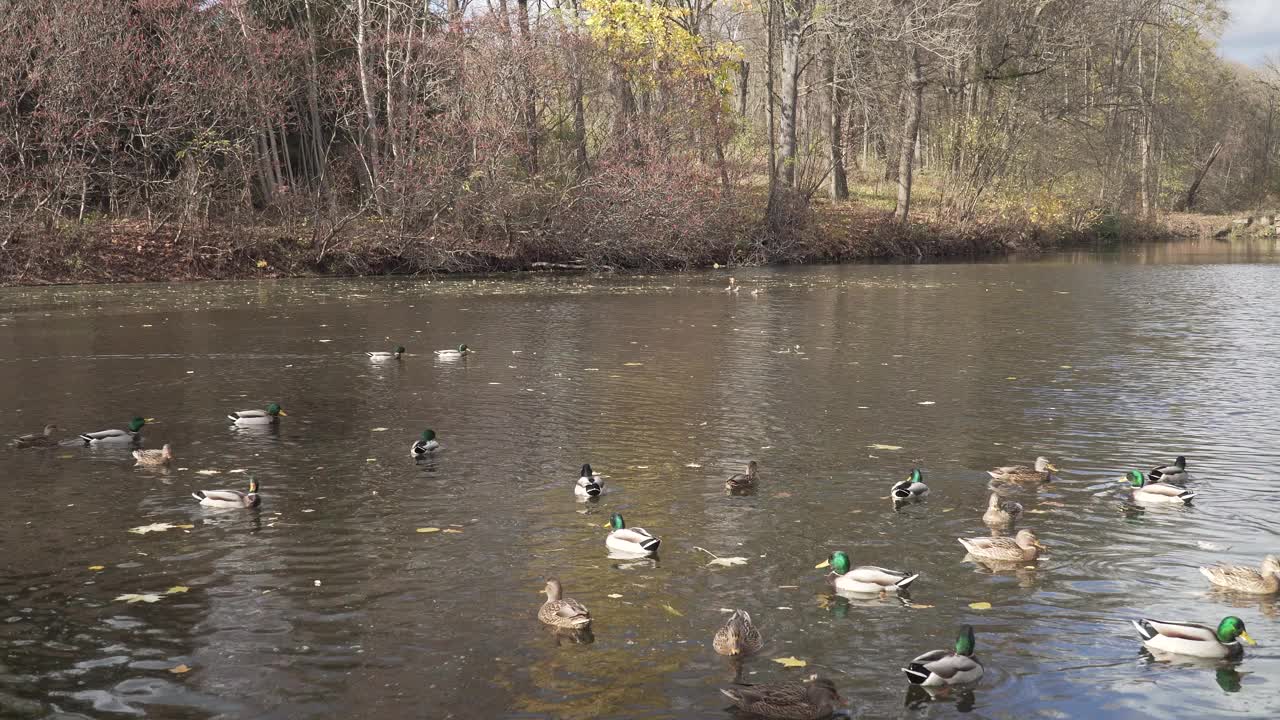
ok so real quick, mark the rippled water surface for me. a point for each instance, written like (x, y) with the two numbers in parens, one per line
(329, 602)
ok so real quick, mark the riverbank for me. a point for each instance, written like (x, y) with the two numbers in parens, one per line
(122, 251)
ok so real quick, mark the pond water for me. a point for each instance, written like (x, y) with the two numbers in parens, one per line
(328, 602)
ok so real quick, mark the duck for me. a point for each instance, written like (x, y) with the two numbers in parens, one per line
(1145, 491)
(379, 356)
(270, 416)
(634, 541)
(947, 667)
(913, 488)
(154, 458)
(454, 352)
(36, 440)
(1165, 473)
(590, 484)
(561, 612)
(425, 445)
(230, 498)
(116, 437)
(1245, 579)
(743, 480)
(1194, 639)
(1043, 471)
(738, 636)
(1000, 512)
(864, 579)
(812, 699)
(1023, 547)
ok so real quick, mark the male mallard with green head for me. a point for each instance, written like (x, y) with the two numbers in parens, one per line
(947, 667)
(865, 578)
(270, 416)
(1194, 639)
(230, 499)
(913, 488)
(633, 541)
(425, 445)
(1156, 493)
(116, 437)
(382, 356)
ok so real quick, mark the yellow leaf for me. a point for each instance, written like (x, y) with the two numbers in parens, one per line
(919, 606)
(262, 263)
(428, 529)
(96, 568)
(980, 605)
(632, 364)
(790, 662)
(672, 610)
(1011, 377)
(176, 589)
(878, 446)
(135, 597)
(179, 669)
(452, 530)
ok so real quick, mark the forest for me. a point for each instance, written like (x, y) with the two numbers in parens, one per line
(152, 139)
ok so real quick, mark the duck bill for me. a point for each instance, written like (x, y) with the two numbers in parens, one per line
(1245, 637)
(823, 564)
(1051, 467)
(151, 420)
(284, 414)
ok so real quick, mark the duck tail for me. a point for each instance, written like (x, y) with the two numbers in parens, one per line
(199, 495)
(916, 673)
(593, 489)
(651, 544)
(1186, 497)
(907, 580)
(1144, 629)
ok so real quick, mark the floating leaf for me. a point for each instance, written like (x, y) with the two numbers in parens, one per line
(176, 589)
(208, 472)
(919, 606)
(1012, 377)
(261, 264)
(878, 446)
(371, 459)
(1037, 512)
(615, 596)
(632, 364)
(378, 429)
(157, 527)
(179, 669)
(927, 402)
(428, 529)
(135, 597)
(980, 605)
(790, 662)
(692, 465)
(96, 568)
(452, 530)
(672, 610)
(728, 561)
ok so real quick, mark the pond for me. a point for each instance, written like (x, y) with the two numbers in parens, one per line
(336, 598)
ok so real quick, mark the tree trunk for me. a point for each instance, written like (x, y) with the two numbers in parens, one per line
(744, 72)
(529, 113)
(1195, 184)
(581, 167)
(770, 210)
(318, 155)
(793, 26)
(373, 167)
(910, 129)
(839, 179)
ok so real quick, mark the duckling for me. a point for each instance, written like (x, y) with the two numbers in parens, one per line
(1166, 473)
(812, 699)
(154, 458)
(1021, 473)
(633, 541)
(1194, 639)
(1001, 513)
(1154, 493)
(564, 613)
(1246, 579)
(36, 440)
(590, 484)
(738, 636)
(742, 481)
(947, 667)
(425, 445)
(270, 416)
(864, 579)
(454, 353)
(1023, 547)
(116, 437)
(913, 488)
(230, 498)
(379, 356)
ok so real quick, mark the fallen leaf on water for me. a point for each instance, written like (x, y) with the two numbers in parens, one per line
(237, 470)
(208, 472)
(428, 529)
(1037, 512)
(692, 465)
(135, 597)
(157, 527)
(927, 402)
(452, 530)
(790, 661)
(96, 568)
(1053, 503)
(378, 429)
(1012, 377)
(878, 446)
(919, 606)
(176, 589)
(672, 610)
(980, 605)
(632, 364)
(1065, 367)
(948, 509)
(728, 561)
(615, 596)
(179, 669)
(783, 494)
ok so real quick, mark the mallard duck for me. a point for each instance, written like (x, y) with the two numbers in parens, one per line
(864, 579)
(913, 488)
(1246, 579)
(1193, 639)
(1165, 473)
(1021, 473)
(270, 416)
(154, 457)
(116, 437)
(1023, 547)
(379, 356)
(565, 613)
(635, 541)
(230, 498)
(947, 667)
(454, 353)
(37, 440)
(809, 700)
(1145, 491)
(590, 484)
(425, 445)
(742, 481)
(1001, 513)
(737, 636)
